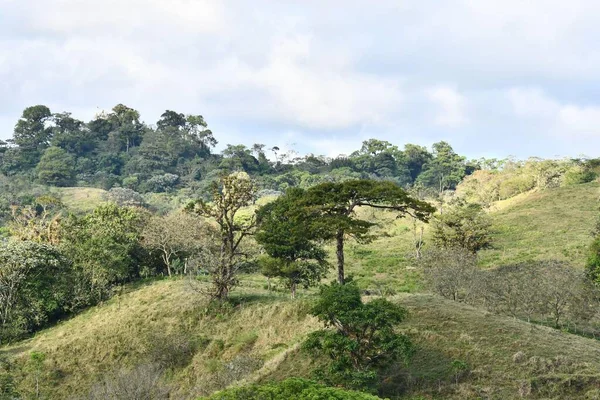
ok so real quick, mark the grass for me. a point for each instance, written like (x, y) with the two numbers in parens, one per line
(167, 322)
(552, 224)
(462, 352)
(466, 353)
(81, 199)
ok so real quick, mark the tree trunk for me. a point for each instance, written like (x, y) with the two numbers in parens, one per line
(340, 256)
(293, 289)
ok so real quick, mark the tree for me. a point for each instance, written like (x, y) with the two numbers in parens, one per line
(32, 135)
(56, 167)
(445, 170)
(451, 273)
(289, 236)
(127, 130)
(416, 157)
(230, 194)
(464, 225)
(104, 247)
(31, 285)
(362, 340)
(177, 235)
(72, 135)
(336, 204)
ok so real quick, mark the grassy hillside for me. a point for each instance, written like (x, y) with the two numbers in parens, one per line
(551, 224)
(81, 199)
(166, 323)
(555, 223)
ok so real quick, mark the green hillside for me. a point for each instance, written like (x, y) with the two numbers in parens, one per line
(166, 323)
(462, 352)
(555, 223)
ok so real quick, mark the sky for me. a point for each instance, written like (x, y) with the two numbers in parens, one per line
(494, 78)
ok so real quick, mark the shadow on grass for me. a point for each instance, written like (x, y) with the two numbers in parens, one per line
(428, 371)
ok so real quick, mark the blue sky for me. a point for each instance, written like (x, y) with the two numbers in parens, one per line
(493, 78)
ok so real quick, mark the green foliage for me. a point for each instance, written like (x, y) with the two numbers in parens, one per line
(117, 148)
(593, 261)
(289, 234)
(56, 167)
(464, 225)
(34, 286)
(294, 273)
(290, 389)
(104, 247)
(361, 339)
(336, 203)
(445, 169)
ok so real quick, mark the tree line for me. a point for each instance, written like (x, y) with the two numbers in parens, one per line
(117, 148)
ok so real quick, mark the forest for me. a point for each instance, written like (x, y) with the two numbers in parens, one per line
(344, 250)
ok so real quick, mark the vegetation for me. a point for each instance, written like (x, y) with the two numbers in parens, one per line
(292, 389)
(336, 205)
(464, 225)
(229, 195)
(290, 235)
(93, 302)
(362, 341)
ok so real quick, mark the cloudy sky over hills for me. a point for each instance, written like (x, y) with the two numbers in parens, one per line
(494, 78)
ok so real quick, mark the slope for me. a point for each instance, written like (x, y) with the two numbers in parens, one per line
(462, 352)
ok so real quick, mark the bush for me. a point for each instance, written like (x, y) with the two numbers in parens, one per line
(463, 225)
(362, 341)
(290, 389)
(125, 197)
(577, 175)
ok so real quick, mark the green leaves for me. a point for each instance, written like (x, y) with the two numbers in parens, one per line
(464, 225)
(363, 339)
(290, 389)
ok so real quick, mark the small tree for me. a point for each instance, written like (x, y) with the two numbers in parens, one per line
(230, 195)
(104, 247)
(451, 273)
(175, 236)
(294, 273)
(362, 339)
(289, 235)
(38, 223)
(464, 225)
(31, 285)
(56, 167)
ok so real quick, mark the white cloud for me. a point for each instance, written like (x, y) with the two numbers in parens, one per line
(580, 121)
(532, 102)
(561, 119)
(451, 106)
(257, 70)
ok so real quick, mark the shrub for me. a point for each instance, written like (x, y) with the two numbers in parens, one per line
(463, 225)
(290, 389)
(125, 197)
(362, 341)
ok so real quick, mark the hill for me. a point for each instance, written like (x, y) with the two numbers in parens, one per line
(555, 223)
(462, 352)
